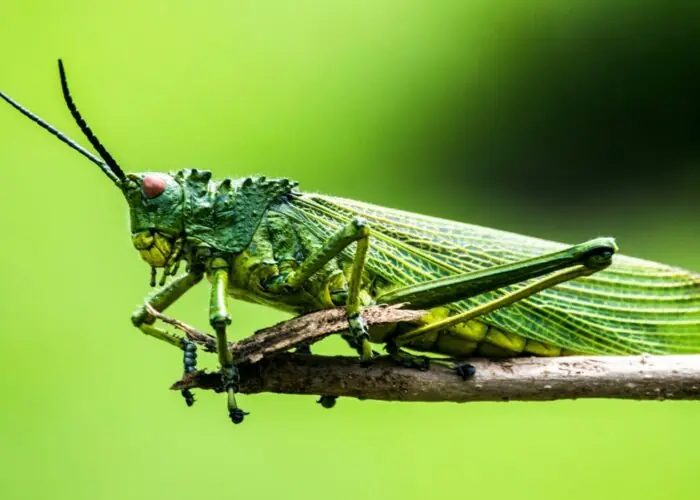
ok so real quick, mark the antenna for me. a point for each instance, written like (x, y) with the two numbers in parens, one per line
(111, 162)
(61, 136)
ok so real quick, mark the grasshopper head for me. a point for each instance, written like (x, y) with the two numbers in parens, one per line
(155, 200)
(156, 210)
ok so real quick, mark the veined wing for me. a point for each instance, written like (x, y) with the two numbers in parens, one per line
(634, 306)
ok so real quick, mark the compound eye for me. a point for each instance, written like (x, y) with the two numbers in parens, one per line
(153, 186)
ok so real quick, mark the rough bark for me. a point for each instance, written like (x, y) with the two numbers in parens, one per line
(266, 368)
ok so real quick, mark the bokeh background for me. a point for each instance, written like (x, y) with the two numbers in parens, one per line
(564, 120)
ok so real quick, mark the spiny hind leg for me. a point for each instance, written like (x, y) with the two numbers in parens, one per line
(160, 300)
(419, 333)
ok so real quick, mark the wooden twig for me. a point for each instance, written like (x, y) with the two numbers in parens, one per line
(520, 379)
(266, 367)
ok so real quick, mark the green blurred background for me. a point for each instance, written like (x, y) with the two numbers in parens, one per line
(565, 120)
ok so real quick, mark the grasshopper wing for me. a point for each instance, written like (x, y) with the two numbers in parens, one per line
(634, 306)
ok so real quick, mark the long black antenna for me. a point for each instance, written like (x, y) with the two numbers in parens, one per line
(61, 136)
(111, 162)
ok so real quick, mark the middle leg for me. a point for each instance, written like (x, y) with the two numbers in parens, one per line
(355, 231)
(219, 319)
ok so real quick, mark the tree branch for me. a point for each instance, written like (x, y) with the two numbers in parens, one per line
(519, 379)
(266, 367)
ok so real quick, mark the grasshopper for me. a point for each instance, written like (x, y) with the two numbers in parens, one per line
(488, 292)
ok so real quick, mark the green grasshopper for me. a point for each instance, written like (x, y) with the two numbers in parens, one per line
(488, 292)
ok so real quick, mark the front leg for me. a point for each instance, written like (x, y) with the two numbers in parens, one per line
(219, 319)
(161, 300)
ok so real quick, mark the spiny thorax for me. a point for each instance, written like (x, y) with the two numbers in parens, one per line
(225, 215)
